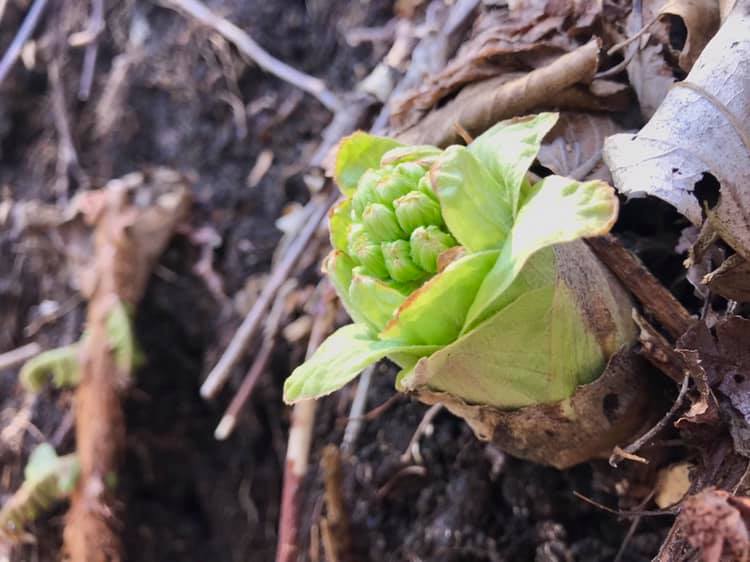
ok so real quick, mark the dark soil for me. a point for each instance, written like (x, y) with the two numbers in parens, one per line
(187, 496)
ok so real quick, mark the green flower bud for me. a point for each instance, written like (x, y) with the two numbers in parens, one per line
(416, 209)
(381, 224)
(366, 252)
(366, 192)
(398, 262)
(424, 186)
(398, 181)
(427, 243)
(411, 170)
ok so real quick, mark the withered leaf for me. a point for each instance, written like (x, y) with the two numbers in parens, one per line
(573, 148)
(701, 19)
(731, 279)
(715, 523)
(481, 105)
(694, 153)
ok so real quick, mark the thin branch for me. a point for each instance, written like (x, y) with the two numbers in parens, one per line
(643, 439)
(619, 46)
(24, 32)
(245, 43)
(624, 513)
(237, 347)
(412, 449)
(356, 413)
(662, 304)
(67, 157)
(15, 357)
(229, 420)
(300, 436)
(94, 28)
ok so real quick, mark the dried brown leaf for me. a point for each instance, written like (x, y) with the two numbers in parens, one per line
(651, 78)
(721, 361)
(573, 148)
(672, 484)
(715, 523)
(731, 279)
(695, 151)
(701, 19)
(481, 105)
(611, 410)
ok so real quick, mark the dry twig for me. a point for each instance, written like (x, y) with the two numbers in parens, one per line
(356, 418)
(248, 47)
(24, 32)
(300, 437)
(67, 156)
(128, 240)
(20, 355)
(93, 30)
(630, 450)
(412, 449)
(239, 344)
(646, 288)
(273, 323)
(335, 526)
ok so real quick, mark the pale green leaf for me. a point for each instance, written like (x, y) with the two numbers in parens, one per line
(534, 351)
(339, 266)
(42, 460)
(61, 364)
(339, 220)
(356, 154)
(339, 360)
(473, 205)
(435, 313)
(508, 149)
(375, 300)
(423, 154)
(557, 210)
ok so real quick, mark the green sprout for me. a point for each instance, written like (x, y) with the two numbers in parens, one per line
(457, 268)
(62, 364)
(48, 478)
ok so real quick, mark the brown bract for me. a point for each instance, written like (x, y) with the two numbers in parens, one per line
(588, 425)
(599, 415)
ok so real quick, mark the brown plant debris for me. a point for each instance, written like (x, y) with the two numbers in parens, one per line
(716, 523)
(127, 239)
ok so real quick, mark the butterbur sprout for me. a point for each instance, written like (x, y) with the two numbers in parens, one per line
(476, 283)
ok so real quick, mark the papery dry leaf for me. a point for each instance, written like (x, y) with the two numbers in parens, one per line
(573, 147)
(721, 362)
(672, 484)
(575, 15)
(699, 138)
(701, 18)
(731, 279)
(475, 109)
(489, 58)
(715, 523)
(502, 42)
(650, 76)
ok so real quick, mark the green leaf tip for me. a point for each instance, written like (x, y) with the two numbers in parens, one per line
(356, 154)
(340, 359)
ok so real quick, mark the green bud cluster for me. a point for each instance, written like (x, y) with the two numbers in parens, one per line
(397, 230)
